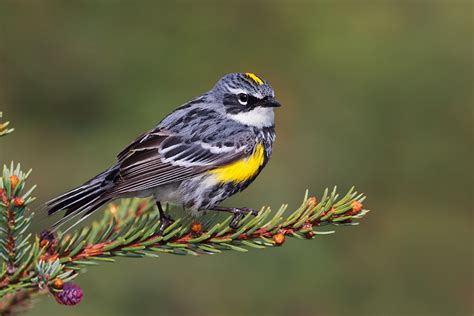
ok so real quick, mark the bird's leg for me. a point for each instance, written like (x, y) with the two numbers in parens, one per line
(238, 212)
(165, 220)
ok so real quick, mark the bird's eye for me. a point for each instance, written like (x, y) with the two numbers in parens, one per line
(243, 98)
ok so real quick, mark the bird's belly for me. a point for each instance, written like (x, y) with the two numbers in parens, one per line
(206, 191)
(168, 193)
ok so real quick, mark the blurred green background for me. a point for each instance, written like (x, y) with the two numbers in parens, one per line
(375, 93)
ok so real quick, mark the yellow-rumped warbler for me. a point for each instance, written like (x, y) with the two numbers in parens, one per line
(203, 152)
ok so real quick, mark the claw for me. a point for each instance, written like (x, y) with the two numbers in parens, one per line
(234, 223)
(239, 214)
(166, 221)
(247, 210)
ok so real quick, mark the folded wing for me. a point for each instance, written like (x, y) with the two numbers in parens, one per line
(161, 157)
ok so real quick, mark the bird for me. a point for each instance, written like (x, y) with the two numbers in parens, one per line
(203, 152)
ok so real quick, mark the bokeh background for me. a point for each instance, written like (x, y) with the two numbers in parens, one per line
(375, 93)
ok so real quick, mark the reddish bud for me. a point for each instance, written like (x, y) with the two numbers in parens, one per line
(309, 234)
(196, 227)
(356, 206)
(25, 273)
(279, 239)
(3, 197)
(18, 201)
(14, 181)
(58, 283)
(4, 282)
(53, 258)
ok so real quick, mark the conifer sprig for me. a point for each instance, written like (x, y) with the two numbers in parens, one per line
(131, 228)
(35, 265)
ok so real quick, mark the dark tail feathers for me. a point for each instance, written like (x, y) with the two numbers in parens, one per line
(82, 201)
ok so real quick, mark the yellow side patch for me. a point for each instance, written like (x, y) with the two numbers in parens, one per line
(242, 170)
(254, 77)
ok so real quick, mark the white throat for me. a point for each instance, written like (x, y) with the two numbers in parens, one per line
(258, 117)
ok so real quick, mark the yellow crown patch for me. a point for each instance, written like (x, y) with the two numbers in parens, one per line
(254, 77)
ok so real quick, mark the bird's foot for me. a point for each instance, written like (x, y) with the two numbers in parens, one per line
(238, 214)
(165, 222)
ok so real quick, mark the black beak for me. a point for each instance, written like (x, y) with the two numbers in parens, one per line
(270, 103)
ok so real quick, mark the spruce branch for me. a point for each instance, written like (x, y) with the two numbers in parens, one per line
(37, 265)
(130, 228)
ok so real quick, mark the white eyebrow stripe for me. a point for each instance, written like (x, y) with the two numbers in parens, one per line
(239, 91)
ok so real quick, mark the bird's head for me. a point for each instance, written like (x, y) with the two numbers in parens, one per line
(246, 98)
